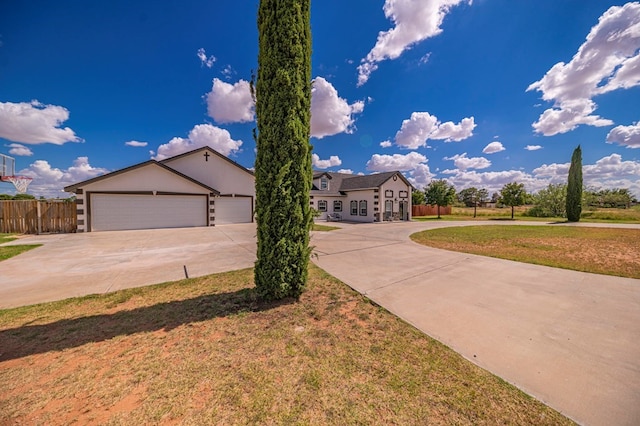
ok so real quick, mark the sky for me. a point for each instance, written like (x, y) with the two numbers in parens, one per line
(480, 93)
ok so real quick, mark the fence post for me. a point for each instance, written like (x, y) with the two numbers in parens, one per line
(39, 212)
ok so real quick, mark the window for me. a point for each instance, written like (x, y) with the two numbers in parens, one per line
(363, 207)
(324, 183)
(322, 205)
(337, 206)
(354, 208)
(388, 193)
(404, 194)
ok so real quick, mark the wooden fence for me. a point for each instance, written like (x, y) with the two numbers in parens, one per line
(429, 210)
(37, 217)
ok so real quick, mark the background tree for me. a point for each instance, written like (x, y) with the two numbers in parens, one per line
(441, 193)
(513, 194)
(283, 162)
(574, 187)
(471, 197)
(417, 198)
(550, 202)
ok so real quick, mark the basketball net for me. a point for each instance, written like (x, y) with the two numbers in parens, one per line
(20, 182)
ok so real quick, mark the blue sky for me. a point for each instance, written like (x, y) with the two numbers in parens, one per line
(481, 93)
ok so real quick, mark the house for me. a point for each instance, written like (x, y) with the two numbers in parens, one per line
(198, 188)
(370, 198)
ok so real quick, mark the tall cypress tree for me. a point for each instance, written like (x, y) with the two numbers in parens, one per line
(283, 164)
(574, 187)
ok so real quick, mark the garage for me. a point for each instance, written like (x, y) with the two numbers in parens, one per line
(111, 212)
(233, 210)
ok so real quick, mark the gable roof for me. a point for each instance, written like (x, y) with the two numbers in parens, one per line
(211, 150)
(73, 188)
(341, 182)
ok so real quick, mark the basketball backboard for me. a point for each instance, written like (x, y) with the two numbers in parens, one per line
(7, 165)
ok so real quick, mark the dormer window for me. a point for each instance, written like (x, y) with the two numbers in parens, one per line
(324, 183)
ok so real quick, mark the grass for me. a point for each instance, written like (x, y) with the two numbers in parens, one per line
(607, 251)
(9, 251)
(609, 215)
(205, 351)
(323, 228)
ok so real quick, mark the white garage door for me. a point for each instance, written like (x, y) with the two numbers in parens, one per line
(232, 210)
(111, 212)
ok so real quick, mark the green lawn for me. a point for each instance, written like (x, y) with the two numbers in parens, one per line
(9, 251)
(323, 228)
(608, 251)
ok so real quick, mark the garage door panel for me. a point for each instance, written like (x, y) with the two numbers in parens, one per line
(110, 212)
(233, 210)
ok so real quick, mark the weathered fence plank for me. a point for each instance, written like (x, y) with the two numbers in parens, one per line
(37, 216)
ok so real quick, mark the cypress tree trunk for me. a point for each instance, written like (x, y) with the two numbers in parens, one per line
(574, 187)
(283, 164)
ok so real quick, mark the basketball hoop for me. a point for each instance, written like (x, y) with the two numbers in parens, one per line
(20, 182)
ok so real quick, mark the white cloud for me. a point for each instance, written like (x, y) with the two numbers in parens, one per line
(422, 126)
(628, 136)
(136, 144)
(532, 147)
(19, 150)
(333, 161)
(421, 176)
(331, 114)
(493, 147)
(387, 163)
(201, 135)
(414, 21)
(49, 181)
(35, 123)
(608, 60)
(346, 171)
(386, 144)
(206, 61)
(230, 103)
(494, 181)
(462, 162)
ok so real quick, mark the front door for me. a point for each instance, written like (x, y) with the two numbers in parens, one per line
(403, 210)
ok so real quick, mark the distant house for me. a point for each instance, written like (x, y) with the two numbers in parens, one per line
(198, 188)
(371, 198)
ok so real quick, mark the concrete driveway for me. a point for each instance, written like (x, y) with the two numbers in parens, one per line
(568, 338)
(70, 265)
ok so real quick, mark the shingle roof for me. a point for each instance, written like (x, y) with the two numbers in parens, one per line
(341, 182)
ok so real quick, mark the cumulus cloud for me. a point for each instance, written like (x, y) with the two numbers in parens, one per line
(205, 60)
(532, 147)
(494, 181)
(333, 161)
(462, 162)
(493, 147)
(201, 135)
(387, 163)
(421, 176)
(19, 150)
(346, 171)
(35, 123)
(608, 60)
(230, 103)
(414, 21)
(49, 181)
(331, 114)
(136, 144)
(628, 136)
(386, 144)
(422, 126)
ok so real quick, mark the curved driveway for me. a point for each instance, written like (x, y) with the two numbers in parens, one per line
(570, 339)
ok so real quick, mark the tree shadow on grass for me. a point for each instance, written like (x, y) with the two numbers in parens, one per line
(70, 333)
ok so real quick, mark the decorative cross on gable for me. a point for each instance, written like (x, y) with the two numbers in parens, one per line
(206, 156)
